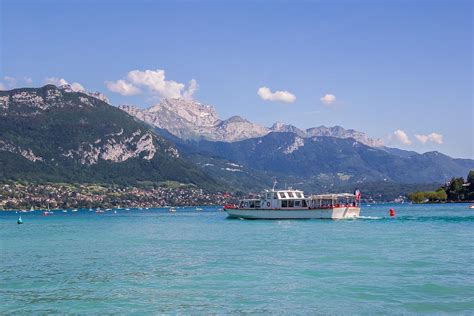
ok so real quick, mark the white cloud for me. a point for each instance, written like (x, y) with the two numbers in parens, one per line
(2, 86)
(75, 86)
(328, 99)
(155, 81)
(193, 87)
(422, 138)
(433, 137)
(279, 96)
(122, 87)
(401, 137)
(28, 81)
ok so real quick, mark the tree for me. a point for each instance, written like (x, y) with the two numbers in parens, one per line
(470, 177)
(417, 197)
(441, 195)
(455, 191)
(470, 188)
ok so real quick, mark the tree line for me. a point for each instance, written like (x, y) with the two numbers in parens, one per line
(456, 190)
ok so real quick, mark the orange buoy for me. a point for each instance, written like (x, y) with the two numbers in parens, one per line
(392, 212)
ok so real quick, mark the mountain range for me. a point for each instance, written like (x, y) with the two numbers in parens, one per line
(190, 120)
(56, 134)
(315, 155)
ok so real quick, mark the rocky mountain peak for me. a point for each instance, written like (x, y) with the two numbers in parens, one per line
(340, 132)
(194, 120)
(280, 127)
(277, 126)
(194, 112)
(29, 101)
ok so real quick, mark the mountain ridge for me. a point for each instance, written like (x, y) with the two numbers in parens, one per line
(328, 157)
(56, 134)
(194, 120)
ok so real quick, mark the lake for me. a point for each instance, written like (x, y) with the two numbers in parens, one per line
(200, 262)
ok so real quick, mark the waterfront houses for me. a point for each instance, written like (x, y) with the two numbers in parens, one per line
(62, 196)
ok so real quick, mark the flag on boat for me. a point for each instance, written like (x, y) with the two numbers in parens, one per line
(357, 194)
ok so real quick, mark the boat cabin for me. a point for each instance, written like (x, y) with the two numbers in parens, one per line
(277, 199)
(295, 199)
(333, 200)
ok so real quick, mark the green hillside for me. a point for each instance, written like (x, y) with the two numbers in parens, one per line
(48, 134)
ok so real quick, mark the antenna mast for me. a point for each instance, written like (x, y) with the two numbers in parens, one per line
(274, 184)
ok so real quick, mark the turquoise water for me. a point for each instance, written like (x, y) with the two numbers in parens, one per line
(196, 262)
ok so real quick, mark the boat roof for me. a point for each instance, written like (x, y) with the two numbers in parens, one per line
(332, 196)
(284, 190)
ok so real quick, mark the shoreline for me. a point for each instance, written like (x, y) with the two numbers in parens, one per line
(446, 202)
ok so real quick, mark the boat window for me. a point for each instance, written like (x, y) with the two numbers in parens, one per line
(282, 195)
(257, 204)
(252, 204)
(303, 204)
(297, 203)
(246, 204)
(275, 196)
(284, 203)
(290, 194)
(298, 195)
(242, 204)
(269, 196)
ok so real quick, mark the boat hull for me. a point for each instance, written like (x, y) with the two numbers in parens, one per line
(329, 213)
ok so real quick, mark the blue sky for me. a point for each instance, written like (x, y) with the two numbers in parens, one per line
(393, 69)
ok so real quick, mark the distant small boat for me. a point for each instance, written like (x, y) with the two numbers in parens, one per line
(74, 210)
(98, 211)
(471, 206)
(198, 209)
(172, 209)
(19, 221)
(47, 212)
(32, 209)
(64, 211)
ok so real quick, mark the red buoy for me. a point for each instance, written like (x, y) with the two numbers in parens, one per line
(392, 212)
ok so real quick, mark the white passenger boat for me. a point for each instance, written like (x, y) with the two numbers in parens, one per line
(292, 204)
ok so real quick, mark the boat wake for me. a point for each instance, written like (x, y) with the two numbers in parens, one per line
(369, 217)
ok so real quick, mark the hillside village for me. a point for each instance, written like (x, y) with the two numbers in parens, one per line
(65, 196)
